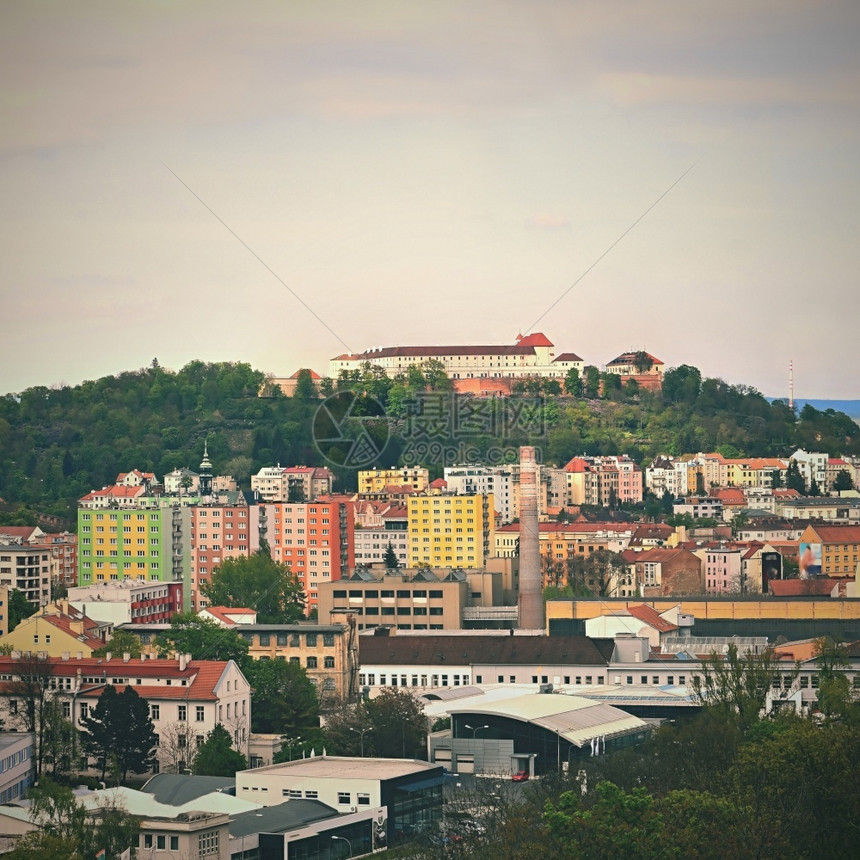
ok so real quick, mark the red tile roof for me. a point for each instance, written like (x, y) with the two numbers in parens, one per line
(538, 338)
(313, 373)
(652, 617)
(23, 532)
(817, 586)
(568, 356)
(838, 534)
(577, 464)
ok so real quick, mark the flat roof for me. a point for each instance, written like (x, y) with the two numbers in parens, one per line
(345, 767)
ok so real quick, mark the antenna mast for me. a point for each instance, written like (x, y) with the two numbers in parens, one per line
(791, 384)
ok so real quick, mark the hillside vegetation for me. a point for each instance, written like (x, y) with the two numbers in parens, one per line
(58, 443)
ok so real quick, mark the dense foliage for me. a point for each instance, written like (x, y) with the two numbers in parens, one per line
(216, 756)
(56, 444)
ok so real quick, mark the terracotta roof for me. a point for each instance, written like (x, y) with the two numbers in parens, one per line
(460, 650)
(538, 338)
(838, 534)
(439, 484)
(729, 495)
(201, 676)
(313, 373)
(652, 617)
(817, 586)
(225, 613)
(568, 356)
(577, 464)
(23, 532)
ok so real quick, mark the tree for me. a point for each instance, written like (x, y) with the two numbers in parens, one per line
(203, 639)
(596, 573)
(305, 388)
(177, 746)
(32, 686)
(121, 642)
(843, 481)
(19, 608)
(572, 382)
(120, 727)
(642, 361)
(591, 386)
(793, 478)
(399, 725)
(736, 686)
(216, 756)
(71, 830)
(682, 384)
(257, 581)
(390, 558)
(285, 700)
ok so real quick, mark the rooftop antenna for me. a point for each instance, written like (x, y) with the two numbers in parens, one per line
(791, 384)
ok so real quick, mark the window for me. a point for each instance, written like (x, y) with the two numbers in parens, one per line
(312, 640)
(161, 842)
(329, 662)
(200, 713)
(363, 799)
(155, 712)
(343, 797)
(312, 662)
(183, 713)
(311, 795)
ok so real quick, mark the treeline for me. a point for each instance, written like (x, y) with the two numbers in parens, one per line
(58, 443)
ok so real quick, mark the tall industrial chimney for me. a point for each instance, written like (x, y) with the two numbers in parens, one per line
(531, 608)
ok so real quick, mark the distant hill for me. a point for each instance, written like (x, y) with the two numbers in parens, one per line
(850, 407)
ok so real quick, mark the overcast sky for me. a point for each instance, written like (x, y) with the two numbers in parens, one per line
(430, 173)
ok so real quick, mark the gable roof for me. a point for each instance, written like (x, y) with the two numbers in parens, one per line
(652, 618)
(817, 586)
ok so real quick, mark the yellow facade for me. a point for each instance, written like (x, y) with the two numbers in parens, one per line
(375, 480)
(771, 607)
(37, 635)
(450, 531)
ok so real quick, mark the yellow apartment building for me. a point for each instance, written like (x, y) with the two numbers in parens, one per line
(450, 531)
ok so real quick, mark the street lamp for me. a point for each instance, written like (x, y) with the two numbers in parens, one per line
(475, 729)
(344, 839)
(362, 733)
(289, 742)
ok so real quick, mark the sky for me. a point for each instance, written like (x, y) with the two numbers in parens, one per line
(281, 182)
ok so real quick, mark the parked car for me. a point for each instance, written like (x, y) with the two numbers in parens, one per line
(520, 776)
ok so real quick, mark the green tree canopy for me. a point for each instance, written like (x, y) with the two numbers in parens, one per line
(216, 756)
(203, 639)
(284, 699)
(260, 582)
(120, 728)
(122, 642)
(19, 608)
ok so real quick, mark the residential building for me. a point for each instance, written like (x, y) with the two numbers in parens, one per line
(450, 531)
(152, 544)
(640, 620)
(410, 599)
(187, 698)
(602, 481)
(664, 571)
(27, 568)
(136, 478)
(562, 540)
(834, 548)
(115, 497)
(182, 482)
(129, 601)
(17, 774)
(699, 507)
(827, 508)
(532, 355)
(721, 568)
(377, 525)
(58, 629)
(219, 531)
(291, 483)
(835, 465)
(371, 481)
(190, 835)
(326, 651)
(812, 466)
(315, 539)
(475, 479)
(667, 475)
